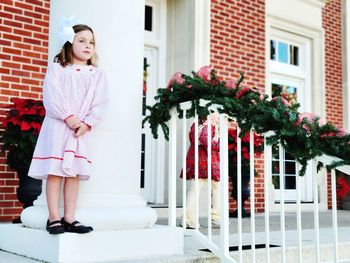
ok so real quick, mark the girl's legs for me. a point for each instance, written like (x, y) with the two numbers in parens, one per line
(53, 186)
(191, 202)
(71, 188)
(215, 211)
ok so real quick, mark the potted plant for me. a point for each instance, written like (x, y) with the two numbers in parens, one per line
(245, 163)
(21, 128)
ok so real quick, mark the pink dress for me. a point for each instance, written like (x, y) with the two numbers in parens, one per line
(71, 90)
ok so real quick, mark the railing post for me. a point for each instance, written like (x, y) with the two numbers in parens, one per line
(224, 205)
(334, 216)
(267, 178)
(316, 218)
(172, 169)
(282, 212)
(239, 193)
(252, 194)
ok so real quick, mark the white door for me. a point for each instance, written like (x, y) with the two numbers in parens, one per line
(153, 151)
(293, 91)
(290, 78)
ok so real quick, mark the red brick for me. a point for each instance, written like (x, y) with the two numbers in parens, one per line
(7, 190)
(29, 95)
(4, 71)
(20, 32)
(6, 15)
(35, 2)
(29, 81)
(30, 67)
(9, 78)
(5, 43)
(32, 28)
(12, 23)
(24, 19)
(20, 73)
(33, 14)
(11, 93)
(13, 10)
(21, 59)
(22, 46)
(23, 5)
(12, 211)
(5, 29)
(12, 51)
(31, 54)
(6, 203)
(32, 41)
(12, 37)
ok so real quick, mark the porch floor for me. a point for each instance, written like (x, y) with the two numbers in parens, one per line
(193, 252)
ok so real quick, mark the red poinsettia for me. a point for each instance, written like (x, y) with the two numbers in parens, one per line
(21, 126)
(344, 188)
(245, 149)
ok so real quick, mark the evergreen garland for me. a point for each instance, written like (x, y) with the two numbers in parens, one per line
(302, 137)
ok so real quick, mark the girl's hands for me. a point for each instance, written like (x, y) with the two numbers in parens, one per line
(81, 129)
(72, 122)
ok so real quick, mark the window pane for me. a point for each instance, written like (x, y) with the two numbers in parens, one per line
(148, 17)
(272, 49)
(275, 167)
(288, 156)
(287, 92)
(290, 168)
(275, 151)
(294, 55)
(282, 52)
(276, 181)
(290, 182)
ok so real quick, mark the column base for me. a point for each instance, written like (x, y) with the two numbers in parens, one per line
(97, 246)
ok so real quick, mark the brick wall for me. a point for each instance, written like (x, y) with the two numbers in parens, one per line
(237, 44)
(24, 27)
(331, 16)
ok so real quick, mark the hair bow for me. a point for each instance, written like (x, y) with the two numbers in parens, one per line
(66, 32)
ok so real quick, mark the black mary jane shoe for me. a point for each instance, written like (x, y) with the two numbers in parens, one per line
(54, 230)
(76, 227)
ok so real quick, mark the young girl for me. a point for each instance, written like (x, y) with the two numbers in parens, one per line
(203, 168)
(75, 98)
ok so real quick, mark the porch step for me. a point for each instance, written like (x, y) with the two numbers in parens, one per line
(205, 257)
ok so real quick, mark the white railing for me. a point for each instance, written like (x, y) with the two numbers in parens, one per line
(221, 245)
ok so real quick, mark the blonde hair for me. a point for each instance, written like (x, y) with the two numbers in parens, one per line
(65, 56)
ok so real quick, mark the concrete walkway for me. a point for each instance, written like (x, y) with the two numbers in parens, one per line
(193, 252)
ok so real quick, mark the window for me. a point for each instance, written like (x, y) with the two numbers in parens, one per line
(148, 17)
(284, 52)
(285, 91)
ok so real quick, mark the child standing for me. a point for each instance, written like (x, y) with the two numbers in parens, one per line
(203, 169)
(75, 99)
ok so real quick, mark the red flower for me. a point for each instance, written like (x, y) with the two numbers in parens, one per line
(310, 117)
(284, 101)
(344, 188)
(25, 126)
(176, 78)
(241, 92)
(205, 73)
(231, 84)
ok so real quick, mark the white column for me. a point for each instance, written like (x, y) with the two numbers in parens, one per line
(201, 33)
(346, 63)
(111, 199)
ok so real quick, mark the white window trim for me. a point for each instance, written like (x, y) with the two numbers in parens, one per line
(156, 149)
(316, 36)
